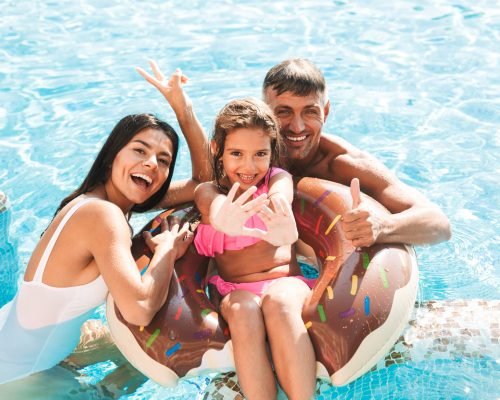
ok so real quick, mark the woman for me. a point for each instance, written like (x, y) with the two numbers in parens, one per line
(85, 251)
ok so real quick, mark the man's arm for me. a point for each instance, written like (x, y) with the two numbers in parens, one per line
(413, 219)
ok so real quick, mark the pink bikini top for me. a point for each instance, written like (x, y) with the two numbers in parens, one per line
(209, 241)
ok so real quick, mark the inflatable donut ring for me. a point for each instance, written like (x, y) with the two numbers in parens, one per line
(359, 306)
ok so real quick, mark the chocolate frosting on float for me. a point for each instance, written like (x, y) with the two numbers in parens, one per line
(354, 303)
(187, 325)
(352, 297)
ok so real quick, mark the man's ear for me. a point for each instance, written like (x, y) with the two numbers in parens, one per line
(326, 109)
(213, 147)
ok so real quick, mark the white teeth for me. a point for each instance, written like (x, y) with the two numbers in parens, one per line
(296, 138)
(142, 176)
(247, 177)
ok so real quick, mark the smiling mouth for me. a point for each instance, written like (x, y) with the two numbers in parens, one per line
(247, 178)
(142, 180)
(296, 138)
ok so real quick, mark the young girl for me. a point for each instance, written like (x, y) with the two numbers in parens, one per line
(85, 251)
(258, 274)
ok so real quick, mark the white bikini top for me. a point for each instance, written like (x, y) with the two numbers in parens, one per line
(39, 304)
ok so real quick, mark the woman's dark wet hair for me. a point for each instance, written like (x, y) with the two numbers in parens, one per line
(121, 134)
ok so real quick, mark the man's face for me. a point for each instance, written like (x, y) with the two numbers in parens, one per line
(301, 119)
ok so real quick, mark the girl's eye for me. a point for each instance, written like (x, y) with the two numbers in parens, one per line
(235, 153)
(262, 154)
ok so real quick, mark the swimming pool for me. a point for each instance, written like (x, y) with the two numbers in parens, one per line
(415, 83)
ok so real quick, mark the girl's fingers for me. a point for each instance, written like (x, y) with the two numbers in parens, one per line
(146, 76)
(278, 205)
(232, 192)
(255, 204)
(246, 195)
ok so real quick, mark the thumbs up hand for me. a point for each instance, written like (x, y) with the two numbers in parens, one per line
(361, 224)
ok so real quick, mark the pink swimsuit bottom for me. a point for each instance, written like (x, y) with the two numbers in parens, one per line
(258, 288)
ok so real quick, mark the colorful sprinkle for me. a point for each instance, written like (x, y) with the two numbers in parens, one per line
(181, 278)
(302, 206)
(308, 324)
(367, 305)
(330, 258)
(348, 313)
(226, 331)
(366, 260)
(158, 219)
(330, 292)
(316, 230)
(173, 349)
(141, 328)
(205, 312)
(152, 338)
(199, 291)
(197, 277)
(178, 314)
(322, 197)
(354, 285)
(143, 271)
(383, 276)
(335, 220)
(321, 312)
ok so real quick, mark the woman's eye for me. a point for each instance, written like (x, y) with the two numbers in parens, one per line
(165, 162)
(139, 151)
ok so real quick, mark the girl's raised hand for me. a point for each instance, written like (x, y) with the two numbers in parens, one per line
(170, 239)
(171, 89)
(280, 223)
(232, 214)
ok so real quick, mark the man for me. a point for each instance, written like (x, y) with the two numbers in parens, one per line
(296, 91)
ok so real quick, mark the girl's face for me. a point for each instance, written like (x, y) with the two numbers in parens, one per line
(140, 168)
(246, 157)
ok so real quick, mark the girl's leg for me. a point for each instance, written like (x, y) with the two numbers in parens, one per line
(291, 348)
(241, 310)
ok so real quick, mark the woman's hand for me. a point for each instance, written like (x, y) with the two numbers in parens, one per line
(170, 239)
(171, 89)
(230, 216)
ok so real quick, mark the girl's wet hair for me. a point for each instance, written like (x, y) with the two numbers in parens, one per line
(122, 134)
(244, 113)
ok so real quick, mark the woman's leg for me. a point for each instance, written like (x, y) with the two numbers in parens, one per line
(241, 310)
(291, 348)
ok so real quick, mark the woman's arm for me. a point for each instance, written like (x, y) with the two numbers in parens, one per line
(108, 238)
(197, 141)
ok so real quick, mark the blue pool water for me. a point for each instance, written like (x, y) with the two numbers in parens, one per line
(413, 82)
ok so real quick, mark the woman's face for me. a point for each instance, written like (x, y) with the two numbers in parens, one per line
(140, 168)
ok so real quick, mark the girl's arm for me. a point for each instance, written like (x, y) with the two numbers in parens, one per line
(138, 297)
(197, 141)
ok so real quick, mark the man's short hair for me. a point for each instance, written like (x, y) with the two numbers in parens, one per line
(298, 75)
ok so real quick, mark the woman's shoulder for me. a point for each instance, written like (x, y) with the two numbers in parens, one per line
(96, 212)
